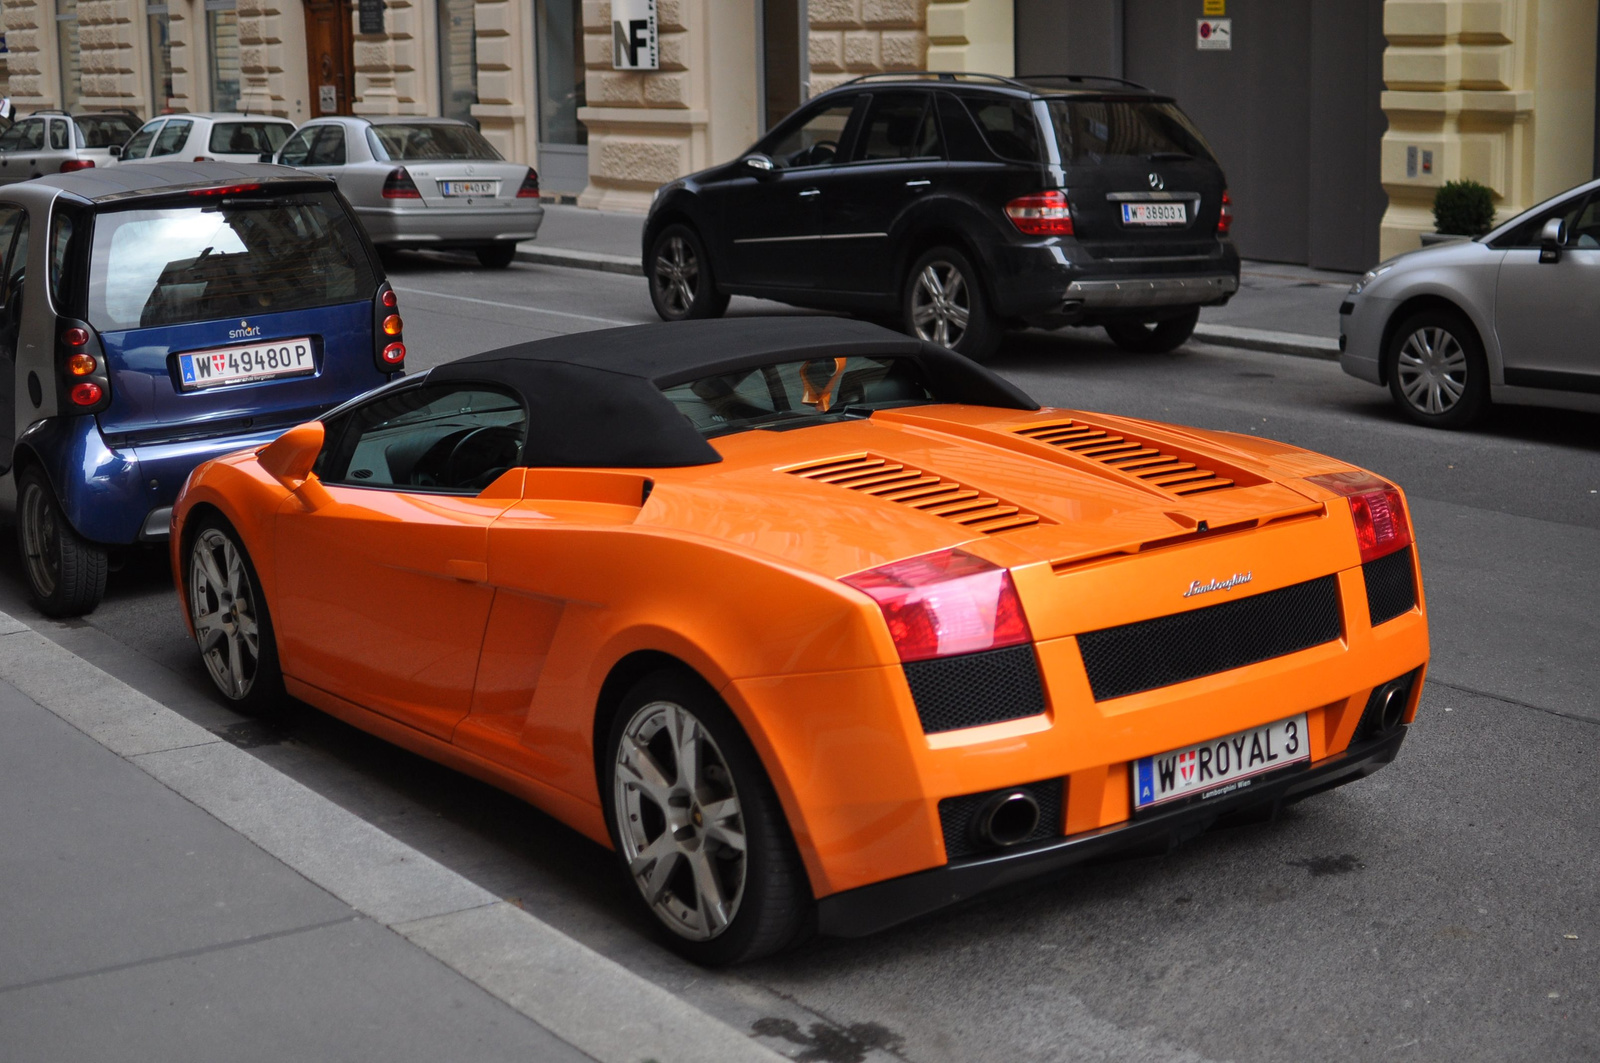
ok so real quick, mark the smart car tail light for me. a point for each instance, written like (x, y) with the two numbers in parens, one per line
(77, 164)
(945, 603)
(399, 185)
(1225, 218)
(1041, 213)
(529, 188)
(388, 331)
(1377, 508)
(85, 385)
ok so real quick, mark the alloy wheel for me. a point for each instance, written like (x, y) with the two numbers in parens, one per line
(41, 546)
(1432, 368)
(940, 304)
(677, 275)
(222, 605)
(679, 821)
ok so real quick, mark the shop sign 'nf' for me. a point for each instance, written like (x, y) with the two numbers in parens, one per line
(635, 44)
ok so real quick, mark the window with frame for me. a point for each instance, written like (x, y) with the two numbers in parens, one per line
(328, 148)
(1527, 233)
(68, 53)
(159, 27)
(140, 142)
(815, 141)
(172, 139)
(1007, 125)
(60, 134)
(248, 138)
(297, 147)
(899, 125)
(222, 34)
(456, 438)
(26, 135)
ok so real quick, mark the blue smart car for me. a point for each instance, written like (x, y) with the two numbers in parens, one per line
(152, 317)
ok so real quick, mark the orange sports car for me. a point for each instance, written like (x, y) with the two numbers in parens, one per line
(816, 625)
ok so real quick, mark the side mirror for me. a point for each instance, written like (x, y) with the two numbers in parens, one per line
(1552, 240)
(288, 459)
(760, 165)
(115, 150)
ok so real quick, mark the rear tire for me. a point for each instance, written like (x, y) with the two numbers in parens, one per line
(232, 626)
(66, 572)
(697, 827)
(1154, 337)
(498, 255)
(682, 285)
(1437, 372)
(943, 302)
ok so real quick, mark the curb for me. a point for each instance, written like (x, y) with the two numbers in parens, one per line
(1256, 339)
(1294, 343)
(593, 1003)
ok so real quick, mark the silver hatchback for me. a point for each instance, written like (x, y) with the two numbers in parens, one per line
(56, 142)
(423, 183)
(1510, 317)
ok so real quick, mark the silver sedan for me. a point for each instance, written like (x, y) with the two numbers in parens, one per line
(1509, 317)
(423, 183)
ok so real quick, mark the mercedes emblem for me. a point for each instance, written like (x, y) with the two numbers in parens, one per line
(1157, 182)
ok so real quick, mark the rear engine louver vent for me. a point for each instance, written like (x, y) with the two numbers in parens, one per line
(935, 495)
(1169, 472)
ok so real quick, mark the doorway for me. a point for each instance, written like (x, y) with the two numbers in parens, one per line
(782, 26)
(330, 56)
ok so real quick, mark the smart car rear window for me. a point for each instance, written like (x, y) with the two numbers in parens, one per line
(248, 138)
(795, 394)
(230, 258)
(424, 141)
(1090, 130)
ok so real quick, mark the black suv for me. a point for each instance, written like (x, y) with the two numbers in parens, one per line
(958, 205)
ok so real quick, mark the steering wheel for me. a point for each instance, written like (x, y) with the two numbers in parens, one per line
(484, 453)
(815, 156)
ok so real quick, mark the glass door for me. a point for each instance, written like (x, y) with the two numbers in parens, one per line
(458, 60)
(563, 140)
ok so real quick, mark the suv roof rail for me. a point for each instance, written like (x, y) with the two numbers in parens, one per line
(939, 75)
(1079, 79)
(48, 110)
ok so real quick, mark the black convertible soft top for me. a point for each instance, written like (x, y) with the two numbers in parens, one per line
(594, 398)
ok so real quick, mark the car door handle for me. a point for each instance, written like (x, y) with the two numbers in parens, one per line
(469, 571)
(807, 193)
(921, 182)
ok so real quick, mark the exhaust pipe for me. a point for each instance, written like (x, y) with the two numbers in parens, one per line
(1007, 819)
(1394, 706)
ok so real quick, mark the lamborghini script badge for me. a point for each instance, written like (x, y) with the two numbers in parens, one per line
(1218, 584)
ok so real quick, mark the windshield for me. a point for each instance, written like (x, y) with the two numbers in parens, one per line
(794, 394)
(1090, 130)
(232, 258)
(419, 143)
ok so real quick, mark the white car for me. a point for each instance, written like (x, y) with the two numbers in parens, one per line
(211, 137)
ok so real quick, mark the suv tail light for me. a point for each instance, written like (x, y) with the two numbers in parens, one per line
(529, 188)
(946, 603)
(1377, 509)
(1042, 213)
(1225, 218)
(388, 331)
(399, 185)
(76, 164)
(84, 382)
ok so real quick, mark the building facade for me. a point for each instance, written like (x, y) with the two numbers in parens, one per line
(1335, 119)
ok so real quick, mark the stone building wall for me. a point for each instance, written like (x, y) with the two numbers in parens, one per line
(272, 59)
(850, 38)
(30, 39)
(392, 74)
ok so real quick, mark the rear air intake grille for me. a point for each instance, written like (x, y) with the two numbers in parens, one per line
(894, 482)
(1151, 465)
(1390, 591)
(955, 817)
(1174, 649)
(976, 688)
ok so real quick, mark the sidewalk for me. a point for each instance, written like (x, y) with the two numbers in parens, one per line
(165, 895)
(1283, 308)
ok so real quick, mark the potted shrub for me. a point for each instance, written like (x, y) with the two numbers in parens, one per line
(1461, 209)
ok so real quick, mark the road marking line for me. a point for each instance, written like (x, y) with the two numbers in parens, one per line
(514, 306)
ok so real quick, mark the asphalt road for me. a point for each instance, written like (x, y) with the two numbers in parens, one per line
(1446, 908)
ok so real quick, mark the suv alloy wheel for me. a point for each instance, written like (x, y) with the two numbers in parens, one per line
(681, 284)
(944, 304)
(1155, 337)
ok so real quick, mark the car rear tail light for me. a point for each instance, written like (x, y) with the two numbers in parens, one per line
(1376, 507)
(204, 158)
(530, 185)
(77, 164)
(388, 331)
(1041, 214)
(226, 190)
(399, 185)
(84, 386)
(946, 603)
(1225, 218)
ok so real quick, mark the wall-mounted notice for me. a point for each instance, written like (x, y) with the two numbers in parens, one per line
(1215, 7)
(634, 42)
(1214, 35)
(369, 15)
